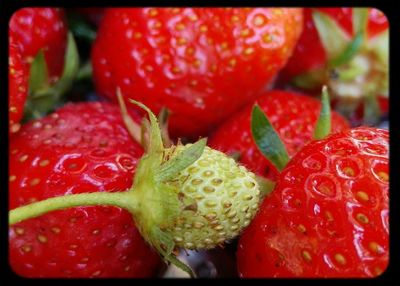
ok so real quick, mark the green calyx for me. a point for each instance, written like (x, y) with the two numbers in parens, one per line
(191, 196)
(267, 139)
(45, 96)
(356, 68)
(269, 142)
(323, 126)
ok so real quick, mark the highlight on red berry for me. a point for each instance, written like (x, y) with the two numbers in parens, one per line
(198, 142)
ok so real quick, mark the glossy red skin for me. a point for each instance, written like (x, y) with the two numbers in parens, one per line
(41, 28)
(300, 215)
(293, 115)
(309, 53)
(147, 47)
(18, 85)
(88, 149)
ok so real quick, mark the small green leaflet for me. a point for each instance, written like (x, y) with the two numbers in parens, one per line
(155, 140)
(39, 76)
(323, 125)
(349, 52)
(266, 186)
(360, 21)
(43, 98)
(333, 38)
(267, 139)
(181, 161)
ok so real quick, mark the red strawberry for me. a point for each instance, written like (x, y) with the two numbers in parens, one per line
(200, 63)
(328, 214)
(82, 147)
(41, 29)
(293, 115)
(315, 61)
(18, 85)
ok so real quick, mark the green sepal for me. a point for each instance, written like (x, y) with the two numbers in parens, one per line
(39, 75)
(360, 21)
(133, 128)
(267, 139)
(166, 250)
(181, 161)
(174, 260)
(71, 67)
(310, 80)
(235, 155)
(155, 138)
(44, 98)
(350, 51)
(160, 201)
(266, 186)
(85, 72)
(163, 117)
(323, 125)
(333, 38)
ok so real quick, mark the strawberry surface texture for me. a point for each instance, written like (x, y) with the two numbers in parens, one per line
(200, 63)
(82, 147)
(328, 214)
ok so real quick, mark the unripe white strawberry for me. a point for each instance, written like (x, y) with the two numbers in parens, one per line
(225, 198)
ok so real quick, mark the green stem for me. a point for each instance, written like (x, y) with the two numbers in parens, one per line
(123, 200)
(323, 125)
(85, 71)
(266, 186)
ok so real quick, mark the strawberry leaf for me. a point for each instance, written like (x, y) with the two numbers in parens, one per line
(350, 51)
(71, 67)
(323, 125)
(175, 261)
(267, 139)
(163, 117)
(39, 76)
(155, 139)
(132, 127)
(333, 38)
(266, 186)
(44, 98)
(181, 161)
(360, 21)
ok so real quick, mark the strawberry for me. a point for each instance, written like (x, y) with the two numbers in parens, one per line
(82, 147)
(328, 214)
(192, 61)
(41, 29)
(18, 85)
(183, 196)
(51, 59)
(292, 114)
(346, 49)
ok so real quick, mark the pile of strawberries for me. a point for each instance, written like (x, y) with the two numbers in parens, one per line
(250, 80)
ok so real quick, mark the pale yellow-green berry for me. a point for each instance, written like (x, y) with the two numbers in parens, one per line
(225, 198)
